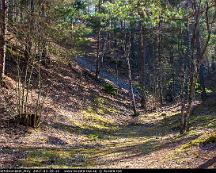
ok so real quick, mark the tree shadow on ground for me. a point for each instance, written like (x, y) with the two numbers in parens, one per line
(159, 128)
(9, 158)
(81, 130)
(163, 127)
(82, 156)
(55, 141)
(179, 141)
(208, 163)
(168, 125)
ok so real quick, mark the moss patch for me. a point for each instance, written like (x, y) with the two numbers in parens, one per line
(95, 117)
(204, 139)
(210, 139)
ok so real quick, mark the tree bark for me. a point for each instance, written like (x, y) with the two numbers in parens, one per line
(28, 45)
(160, 73)
(202, 83)
(11, 10)
(3, 40)
(128, 53)
(44, 43)
(197, 57)
(98, 58)
(142, 67)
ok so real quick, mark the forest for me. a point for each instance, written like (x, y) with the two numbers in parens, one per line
(107, 84)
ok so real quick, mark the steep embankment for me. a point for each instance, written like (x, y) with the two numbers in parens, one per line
(89, 65)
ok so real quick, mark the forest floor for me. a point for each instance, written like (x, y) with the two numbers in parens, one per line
(84, 127)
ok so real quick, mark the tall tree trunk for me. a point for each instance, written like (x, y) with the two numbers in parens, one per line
(183, 98)
(202, 82)
(142, 67)
(44, 48)
(28, 45)
(127, 49)
(185, 103)
(15, 15)
(160, 73)
(3, 41)
(188, 109)
(116, 57)
(201, 67)
(98, 58)
(11, 10)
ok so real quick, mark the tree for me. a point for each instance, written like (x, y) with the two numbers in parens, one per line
(197, 52)
(3, 36)
(98, 58)
(127, 50)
